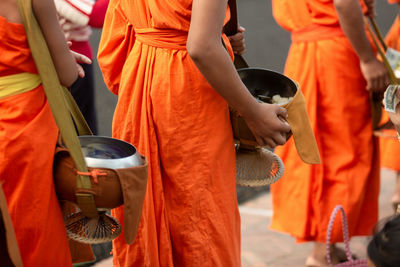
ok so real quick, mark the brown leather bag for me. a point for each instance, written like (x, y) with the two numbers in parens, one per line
(111, 188)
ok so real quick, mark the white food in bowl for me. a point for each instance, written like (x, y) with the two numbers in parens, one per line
(280, 100)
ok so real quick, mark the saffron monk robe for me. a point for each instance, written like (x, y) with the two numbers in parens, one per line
(165, 62)
(324, 58)
(28, 135)
(390, 148)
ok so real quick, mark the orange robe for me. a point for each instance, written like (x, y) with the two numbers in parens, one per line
(178, 121)
(28, 136)
(390, 148)
(323, 62)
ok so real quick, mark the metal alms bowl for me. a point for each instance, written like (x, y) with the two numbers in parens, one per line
(267, 82)
(107, 152)
(260, 82)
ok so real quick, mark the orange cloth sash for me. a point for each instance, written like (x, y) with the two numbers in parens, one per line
(165, 38)
(314, 32)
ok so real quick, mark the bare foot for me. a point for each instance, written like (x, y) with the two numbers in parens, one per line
(341, 254)
(318, 258)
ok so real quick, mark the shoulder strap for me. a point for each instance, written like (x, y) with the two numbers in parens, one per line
(232, 25)
(231, 28)
(57, 102)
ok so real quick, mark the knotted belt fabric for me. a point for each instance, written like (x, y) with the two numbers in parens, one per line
(162, 38)
(314, 32)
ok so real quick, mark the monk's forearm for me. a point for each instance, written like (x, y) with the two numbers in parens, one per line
(351, 20)
(204, 45)
(63, 60)
(217, 68)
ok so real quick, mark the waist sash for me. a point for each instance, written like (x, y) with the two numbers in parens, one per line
(314, 32)
(163, 38)
(18, 83)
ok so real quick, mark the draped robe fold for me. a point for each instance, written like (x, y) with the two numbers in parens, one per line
(323, 62)
(177, 120)
(390, 148)
(28, 136)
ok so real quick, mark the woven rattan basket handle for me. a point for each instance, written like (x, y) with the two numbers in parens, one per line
(56, 97)
(345, 234)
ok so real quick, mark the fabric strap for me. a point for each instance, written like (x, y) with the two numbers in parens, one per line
(231, 29)
(61, 104)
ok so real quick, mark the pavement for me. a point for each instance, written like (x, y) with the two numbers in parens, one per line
(262, 247)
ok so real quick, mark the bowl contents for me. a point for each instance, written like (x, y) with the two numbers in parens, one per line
(280, 100)
(276, 99)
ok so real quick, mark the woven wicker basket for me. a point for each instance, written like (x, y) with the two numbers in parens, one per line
(258, 167)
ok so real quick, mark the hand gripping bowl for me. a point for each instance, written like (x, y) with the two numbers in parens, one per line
(258, 166)
(263, 84)
(118, 176)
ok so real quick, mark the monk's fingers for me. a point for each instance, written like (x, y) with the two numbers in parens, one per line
(236, 37)
(238, 44)
(279, 138)
(81, 72)
(281, 112)
(81, 58)
(285, 127)
(239, 50)
(269, 142)
(260, 141)
(382, 83)
(377, 84)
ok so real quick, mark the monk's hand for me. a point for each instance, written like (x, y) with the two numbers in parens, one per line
(237, 41)
(375, 74)
(371, 10)
(79, 58)
(395, 116)
(268, 124)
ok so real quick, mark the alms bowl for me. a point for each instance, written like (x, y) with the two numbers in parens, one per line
(107, 152)
(263, 84)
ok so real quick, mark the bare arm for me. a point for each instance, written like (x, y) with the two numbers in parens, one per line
(64, 62)
(206, 50)
(352, 22)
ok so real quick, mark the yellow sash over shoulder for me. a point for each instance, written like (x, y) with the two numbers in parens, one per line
(18, 83)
